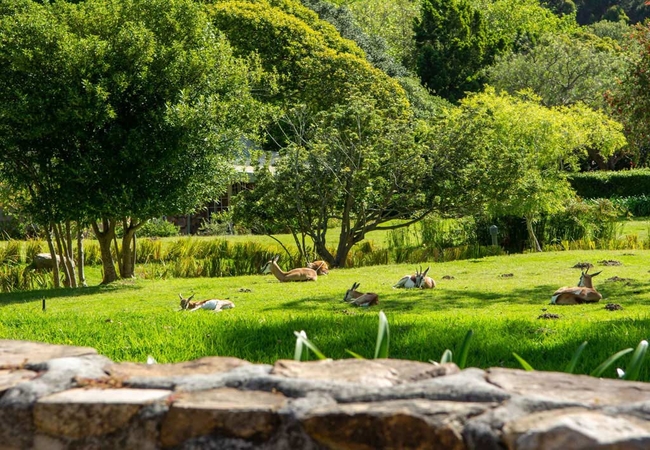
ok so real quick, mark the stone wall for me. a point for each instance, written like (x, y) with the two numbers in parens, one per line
(59, 397)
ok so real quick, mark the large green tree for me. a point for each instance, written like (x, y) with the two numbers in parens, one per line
(631, 98)
(453, 45)
(356, 166)
(118, 111)
(511, 155)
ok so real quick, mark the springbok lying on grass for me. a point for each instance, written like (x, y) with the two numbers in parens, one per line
(583, 293)
(301, 274)
(419, 280)
(320, 267)
(213, 304)
(357, 298)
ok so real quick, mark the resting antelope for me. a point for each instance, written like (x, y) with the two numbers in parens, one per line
(357, 298)
(213, 304)
(320, 267)
(301, 274)
(419, 280)
(583, 293)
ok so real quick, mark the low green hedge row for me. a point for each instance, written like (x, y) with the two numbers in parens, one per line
(625, 183)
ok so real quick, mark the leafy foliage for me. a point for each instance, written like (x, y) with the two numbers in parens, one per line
(452, 46)
(610, 184)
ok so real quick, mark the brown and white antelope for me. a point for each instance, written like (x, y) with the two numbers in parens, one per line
(357, 298)
(213, 304)
(301, 274)
(419, 280)
(577, 295)
(320, 267)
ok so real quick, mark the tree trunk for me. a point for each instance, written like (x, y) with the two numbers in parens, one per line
(531, 234)
(105, 237)
(68, 259)
(81, 256)
(55, 264)
(127, 266)
(64, 260)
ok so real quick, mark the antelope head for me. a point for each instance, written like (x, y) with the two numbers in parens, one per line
(185, 302)
(266, 268)
(585, 279)
(420, 276)
(349, 294)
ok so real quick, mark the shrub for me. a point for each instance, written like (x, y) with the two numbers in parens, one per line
(158, 228)
(626, 183)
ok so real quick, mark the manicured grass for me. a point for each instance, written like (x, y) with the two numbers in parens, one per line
(132, 319)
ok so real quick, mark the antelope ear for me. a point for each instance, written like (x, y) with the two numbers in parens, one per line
(275, 259)
(357, 285)
(594, 274)
(181, 296)
(425, 272)
(191, 297)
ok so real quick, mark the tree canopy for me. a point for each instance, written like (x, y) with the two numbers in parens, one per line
(118, 109)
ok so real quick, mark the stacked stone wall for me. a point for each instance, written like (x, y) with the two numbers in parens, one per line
(60, 397)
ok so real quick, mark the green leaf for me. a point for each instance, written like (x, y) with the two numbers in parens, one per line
(609, 362)
(574, 360)
(523, 363)
(634, 367)
(302, 336)
(356, 355)
(301, 353)
(446, 357)
(383, 337)
(464, 349)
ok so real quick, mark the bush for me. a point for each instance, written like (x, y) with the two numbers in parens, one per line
(638, 206)
(158, 228)
(626, 183)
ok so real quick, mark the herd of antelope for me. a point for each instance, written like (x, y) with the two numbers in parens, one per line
(584, 292)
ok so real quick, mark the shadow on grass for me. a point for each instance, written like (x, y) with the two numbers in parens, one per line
(629, 292)
(8, 298)
(492, 346)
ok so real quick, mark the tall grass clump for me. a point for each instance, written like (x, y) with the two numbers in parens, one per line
(10, 253)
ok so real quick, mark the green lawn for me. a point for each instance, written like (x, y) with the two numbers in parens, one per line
(132, 319)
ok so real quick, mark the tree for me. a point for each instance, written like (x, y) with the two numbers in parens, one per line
(307, 59)
(631, 98)
(562, 69)
(511, 155)
(357, 165)
(392, 21)
(118, 111)
(565, 70)
(452, 47)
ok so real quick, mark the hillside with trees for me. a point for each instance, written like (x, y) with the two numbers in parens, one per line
(378, 113)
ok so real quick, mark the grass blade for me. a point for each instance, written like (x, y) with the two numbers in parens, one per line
(634, 367)
(523, 363)
(464, 349)
(302, 336)
(356, 355)
(574, 361)
(383, 337)
(446, 357)
(301, 353)
(609, 362)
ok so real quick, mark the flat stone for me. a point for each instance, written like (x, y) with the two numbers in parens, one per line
(468, 385)
(202, 366)
(414, 424)
(377, 373)
(17, 354)
(79, 413)
(250, 415)
(576, 429)
(566, 387)
(10, 378)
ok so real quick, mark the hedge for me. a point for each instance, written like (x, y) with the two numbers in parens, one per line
(625, 183)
